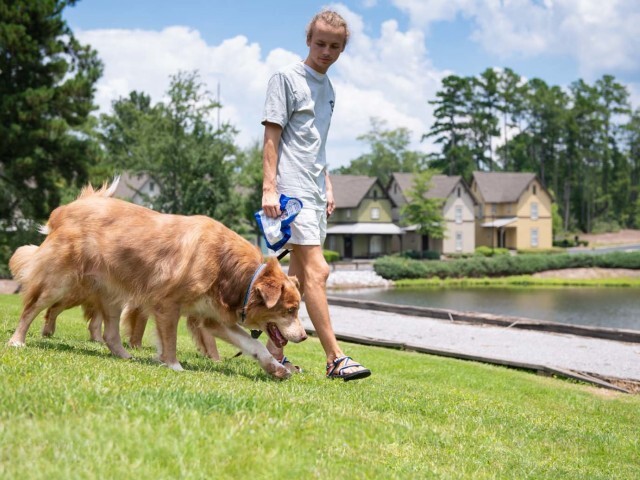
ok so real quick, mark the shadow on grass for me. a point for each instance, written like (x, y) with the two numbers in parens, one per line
(230, 367)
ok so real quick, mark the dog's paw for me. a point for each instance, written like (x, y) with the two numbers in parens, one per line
(16, 343)
(278, 371)
(176, 367)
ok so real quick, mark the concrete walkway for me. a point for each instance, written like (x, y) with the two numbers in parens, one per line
(606, 358)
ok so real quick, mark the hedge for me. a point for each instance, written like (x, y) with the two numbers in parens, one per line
(396, 268)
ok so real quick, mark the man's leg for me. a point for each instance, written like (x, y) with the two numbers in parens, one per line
(308, 264)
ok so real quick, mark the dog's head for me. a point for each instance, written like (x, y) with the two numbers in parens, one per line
(274, 304)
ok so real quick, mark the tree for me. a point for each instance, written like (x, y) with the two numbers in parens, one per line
(47, 83)
(176, 144)
(421, 210)
(389, 153)
(451, 128)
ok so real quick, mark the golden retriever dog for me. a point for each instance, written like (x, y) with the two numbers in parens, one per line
(170, 265)
(133, 319)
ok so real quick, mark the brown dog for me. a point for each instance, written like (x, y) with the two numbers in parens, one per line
(133, 319)
(169, 265)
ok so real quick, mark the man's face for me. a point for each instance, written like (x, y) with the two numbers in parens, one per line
(325, 46)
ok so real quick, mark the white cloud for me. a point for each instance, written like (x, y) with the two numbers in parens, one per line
(387, 77)
(600, 35)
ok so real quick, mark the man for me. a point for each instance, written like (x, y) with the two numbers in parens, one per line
(298, 109)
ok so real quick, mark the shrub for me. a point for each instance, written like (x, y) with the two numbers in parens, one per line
(330, 256)
(425, 254)
(485, 251)
(396, 268)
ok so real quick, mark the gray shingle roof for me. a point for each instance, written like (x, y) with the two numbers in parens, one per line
(349, 190)
(441, 185)
(130, 184)
(502, 187)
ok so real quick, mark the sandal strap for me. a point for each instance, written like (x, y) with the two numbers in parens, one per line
(340, 364)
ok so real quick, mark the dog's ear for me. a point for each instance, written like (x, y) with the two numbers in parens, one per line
(270, 293)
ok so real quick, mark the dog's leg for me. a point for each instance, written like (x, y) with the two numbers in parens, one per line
(94, 322)
(205, 342)
(250, 347)
(111, 317)
(33, 305)
(49, 327)
(167, 327)
(138, 319)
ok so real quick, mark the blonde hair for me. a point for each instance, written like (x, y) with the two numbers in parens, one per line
(331, 18)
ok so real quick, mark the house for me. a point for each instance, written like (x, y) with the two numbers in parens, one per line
(361, 225)
(458, 211)
(138, 188)
(514, 211)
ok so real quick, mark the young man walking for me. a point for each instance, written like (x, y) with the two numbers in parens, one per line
(297, 115)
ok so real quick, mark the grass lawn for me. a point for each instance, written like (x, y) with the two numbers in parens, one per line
(68, 409)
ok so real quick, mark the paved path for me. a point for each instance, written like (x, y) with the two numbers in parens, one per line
(582, 354)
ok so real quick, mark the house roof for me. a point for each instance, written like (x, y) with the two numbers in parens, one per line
(441, 185)
(130, 184)
(502, 187)
(349, 190)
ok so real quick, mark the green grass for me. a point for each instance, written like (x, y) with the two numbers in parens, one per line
(70, 410)
(519, 281)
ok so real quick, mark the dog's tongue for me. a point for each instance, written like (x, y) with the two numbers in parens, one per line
(276, 336)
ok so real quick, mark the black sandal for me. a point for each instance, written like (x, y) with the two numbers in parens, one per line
(335, 369)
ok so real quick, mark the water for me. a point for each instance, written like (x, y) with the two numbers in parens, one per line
(597, 307)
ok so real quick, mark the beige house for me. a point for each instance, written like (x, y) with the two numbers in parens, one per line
(458, 211)
(514, 211)
(361, 226)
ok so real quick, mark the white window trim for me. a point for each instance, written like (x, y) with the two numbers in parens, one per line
(375, 213)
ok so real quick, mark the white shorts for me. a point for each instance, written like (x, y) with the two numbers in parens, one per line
(309, 228)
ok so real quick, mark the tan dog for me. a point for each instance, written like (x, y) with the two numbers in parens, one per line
(133, 319)
(169, 265)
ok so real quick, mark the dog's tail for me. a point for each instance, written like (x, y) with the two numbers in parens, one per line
(105, 191)
(20, 262)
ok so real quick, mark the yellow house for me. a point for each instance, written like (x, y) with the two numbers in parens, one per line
(514, 211)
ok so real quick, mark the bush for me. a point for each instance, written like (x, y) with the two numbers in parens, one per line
(396, 268)
(330, 256)
(485, 251)
(423, 255)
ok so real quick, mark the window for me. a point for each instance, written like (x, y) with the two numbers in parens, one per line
(494, 209)
(533, 189)
(152, 186)
(534, 237)
(458, 241)
(534, 210)
(375, 213)
(459, 192)
(375, 194)
(348, 213)
(458, 214)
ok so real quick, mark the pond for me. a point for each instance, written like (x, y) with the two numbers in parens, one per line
(598, 307)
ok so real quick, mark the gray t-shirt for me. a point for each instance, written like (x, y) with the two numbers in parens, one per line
(301, 101)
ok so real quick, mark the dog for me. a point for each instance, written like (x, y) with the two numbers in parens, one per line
(133, 318)
(170, 265)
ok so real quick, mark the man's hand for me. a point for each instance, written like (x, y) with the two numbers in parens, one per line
(331, 204)
(271, 204)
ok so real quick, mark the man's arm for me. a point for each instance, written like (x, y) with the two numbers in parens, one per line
(270, 197)
(331, 204)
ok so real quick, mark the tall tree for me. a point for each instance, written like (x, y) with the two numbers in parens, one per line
(451, 127)
(47, 83)
(176, 144)
(389, 153)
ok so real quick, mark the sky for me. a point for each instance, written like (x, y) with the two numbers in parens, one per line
(398, 54)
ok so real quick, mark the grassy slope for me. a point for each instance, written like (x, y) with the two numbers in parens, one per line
(70, 410)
